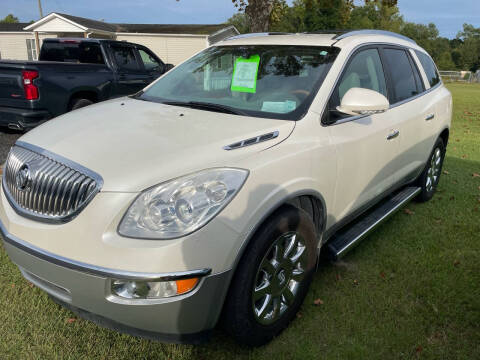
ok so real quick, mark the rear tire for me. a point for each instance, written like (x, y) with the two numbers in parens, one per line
(272, 278)
(428, 180)
(79, 103)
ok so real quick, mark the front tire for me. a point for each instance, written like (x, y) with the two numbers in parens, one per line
(272, 278)
(79, 103)
(428, 180)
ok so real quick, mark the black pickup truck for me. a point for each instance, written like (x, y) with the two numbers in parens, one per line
(72, 73)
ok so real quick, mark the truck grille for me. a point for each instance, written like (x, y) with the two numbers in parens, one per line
(45, 186)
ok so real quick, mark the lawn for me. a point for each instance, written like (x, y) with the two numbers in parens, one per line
(410, 290)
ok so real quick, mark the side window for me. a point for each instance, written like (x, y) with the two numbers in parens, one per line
(429, 67)
(365, 70)
(125, 58)
(403, 79)
(90, 53)
(149, 61)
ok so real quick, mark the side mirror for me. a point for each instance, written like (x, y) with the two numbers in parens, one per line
(360, 101)
(169, 67)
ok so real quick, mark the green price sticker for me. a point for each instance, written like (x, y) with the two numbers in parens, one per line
(245, 73)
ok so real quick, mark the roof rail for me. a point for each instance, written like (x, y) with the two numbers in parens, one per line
(320, 32)
(372, 32)
(249, 35)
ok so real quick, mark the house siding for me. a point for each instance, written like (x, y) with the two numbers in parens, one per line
(13, 46)
(171, 49)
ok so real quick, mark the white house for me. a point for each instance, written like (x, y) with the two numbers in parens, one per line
(172, 43)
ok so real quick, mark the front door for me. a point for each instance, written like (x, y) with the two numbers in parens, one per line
(131, 76)
(152, 66)
(366, 146)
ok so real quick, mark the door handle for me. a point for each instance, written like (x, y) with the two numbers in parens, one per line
(430, 117)
(393, 134)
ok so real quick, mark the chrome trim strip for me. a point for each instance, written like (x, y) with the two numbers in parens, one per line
(367, 231)
(252, 141)
(63, 161)
(93, 269)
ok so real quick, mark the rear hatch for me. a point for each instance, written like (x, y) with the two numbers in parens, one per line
(12, 93)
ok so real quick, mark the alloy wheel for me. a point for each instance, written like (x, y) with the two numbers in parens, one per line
(279, 277)
(433, 172)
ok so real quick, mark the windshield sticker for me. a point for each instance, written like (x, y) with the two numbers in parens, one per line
(282, 107)
(245, 72)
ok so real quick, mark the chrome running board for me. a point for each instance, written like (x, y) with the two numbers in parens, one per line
(347, 238)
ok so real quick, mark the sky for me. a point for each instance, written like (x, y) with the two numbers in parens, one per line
(448, 15)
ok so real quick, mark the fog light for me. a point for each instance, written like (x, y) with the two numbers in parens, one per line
(152, 289)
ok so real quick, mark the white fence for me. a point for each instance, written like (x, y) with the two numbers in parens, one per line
(460, 76)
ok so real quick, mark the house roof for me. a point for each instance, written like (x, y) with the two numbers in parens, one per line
(204, 29)
(13, 26)
(89, 24)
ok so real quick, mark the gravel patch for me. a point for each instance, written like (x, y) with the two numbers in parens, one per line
(7, 139)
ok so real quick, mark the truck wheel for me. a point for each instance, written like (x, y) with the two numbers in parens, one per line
(428, 180)
(272, 278)
(79, 103)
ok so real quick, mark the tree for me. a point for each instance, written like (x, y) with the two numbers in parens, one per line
(258, 13)
(313, 15)
(376, 14)
(9, 19)
(469, 49)
(240, 21)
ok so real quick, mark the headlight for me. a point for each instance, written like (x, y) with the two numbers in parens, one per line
(181, 206)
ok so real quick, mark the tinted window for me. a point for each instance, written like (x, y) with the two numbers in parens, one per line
(72, 51)
(403, 78)
(429, 67)
(149, 61)
(125, 57)
(365, 70)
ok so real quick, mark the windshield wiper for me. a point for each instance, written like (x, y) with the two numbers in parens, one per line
(205, 105)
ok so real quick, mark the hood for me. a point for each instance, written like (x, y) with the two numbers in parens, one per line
(135, 144)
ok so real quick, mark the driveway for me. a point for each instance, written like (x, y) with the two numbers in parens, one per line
(7, 139)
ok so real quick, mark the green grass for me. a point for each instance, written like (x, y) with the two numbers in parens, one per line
(411, 290)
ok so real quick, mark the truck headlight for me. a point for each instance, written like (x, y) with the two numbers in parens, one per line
(181, 206)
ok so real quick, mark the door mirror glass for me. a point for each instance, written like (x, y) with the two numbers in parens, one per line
(360, 101)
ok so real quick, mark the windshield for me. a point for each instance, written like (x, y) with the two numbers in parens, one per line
(265, 81)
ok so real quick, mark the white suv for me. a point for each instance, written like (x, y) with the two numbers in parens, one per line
(210, 194)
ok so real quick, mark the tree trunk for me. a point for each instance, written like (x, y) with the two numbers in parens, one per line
(258, 12)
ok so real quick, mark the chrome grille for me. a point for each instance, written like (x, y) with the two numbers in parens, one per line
(45, 186)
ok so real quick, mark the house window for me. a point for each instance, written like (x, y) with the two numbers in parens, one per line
(31, 49)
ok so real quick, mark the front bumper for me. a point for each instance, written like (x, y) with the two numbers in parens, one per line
(86, 290)
(22, 119)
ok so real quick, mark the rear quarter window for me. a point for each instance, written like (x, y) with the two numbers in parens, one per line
(72, 51)
(429, 67)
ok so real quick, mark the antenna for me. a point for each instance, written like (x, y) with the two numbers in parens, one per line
(40, 8)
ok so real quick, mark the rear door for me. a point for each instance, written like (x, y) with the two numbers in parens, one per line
(130, 74)
(366, 145)
(412, 108)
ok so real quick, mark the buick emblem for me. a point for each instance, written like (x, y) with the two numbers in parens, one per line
(23, 179)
